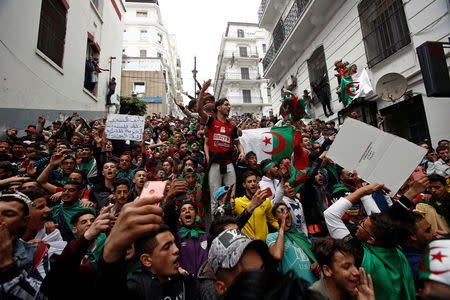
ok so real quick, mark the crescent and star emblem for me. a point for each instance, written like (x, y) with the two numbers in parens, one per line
(281, 145)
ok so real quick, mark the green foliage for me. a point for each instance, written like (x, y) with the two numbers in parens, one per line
(132, 106)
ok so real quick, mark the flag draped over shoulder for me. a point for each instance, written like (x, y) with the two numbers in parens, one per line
(355, 86)
(273, 143)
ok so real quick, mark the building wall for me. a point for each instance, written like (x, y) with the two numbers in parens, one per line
(158, 42)
(342, 38)
(154, 87)
(31, 84)
(229, 66)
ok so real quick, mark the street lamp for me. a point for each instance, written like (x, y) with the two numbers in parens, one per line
(194, 73)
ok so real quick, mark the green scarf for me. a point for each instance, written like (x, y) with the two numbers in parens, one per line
(391, 274)
(68, 211)
(194, 232)
(438, 207)
(134, 269)
(94, 255)
(302, 241)
(340, 187)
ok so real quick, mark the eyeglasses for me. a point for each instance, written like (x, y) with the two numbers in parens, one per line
(360, 224)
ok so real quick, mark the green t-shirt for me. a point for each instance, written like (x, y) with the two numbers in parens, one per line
(68, 211)
(293, 258)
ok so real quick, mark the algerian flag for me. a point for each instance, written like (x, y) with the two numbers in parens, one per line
(355, 86)
(273, 143)
(435, 264)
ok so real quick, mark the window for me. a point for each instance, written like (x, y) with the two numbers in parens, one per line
(141, 14)
(244, 73)
(384, 28)
(144, 35)
(240, 33)
(264, 46)
(247, 95)
(159, 54)
(124, 34)
(139, 87)
(160, 38)
(143, 53)
(269, 92)
(243, 51)
(52, 30)
(316, 68)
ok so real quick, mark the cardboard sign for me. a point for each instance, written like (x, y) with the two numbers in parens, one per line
(124, 127)
(376, 155)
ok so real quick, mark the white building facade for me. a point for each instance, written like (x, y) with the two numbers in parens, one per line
(43, 50)
(148, 47)
(308, 36)
(239, 70)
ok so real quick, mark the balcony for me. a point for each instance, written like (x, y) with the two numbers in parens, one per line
(241, 76)
(241, 55)
(143, 63)
(269, 12)
(302, 22)
(239, 101)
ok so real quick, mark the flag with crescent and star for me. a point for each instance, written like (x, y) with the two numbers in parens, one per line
(273, 143)
(435, 264)
(355, 86)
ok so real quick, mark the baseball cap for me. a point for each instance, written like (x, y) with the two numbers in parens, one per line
(31, 129)
(221, 191)
(227, 249)
(436, 261)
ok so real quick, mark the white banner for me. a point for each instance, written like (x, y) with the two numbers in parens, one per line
(124, 127)
(377, 156)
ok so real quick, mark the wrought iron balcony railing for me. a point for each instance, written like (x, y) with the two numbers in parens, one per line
(283, 29)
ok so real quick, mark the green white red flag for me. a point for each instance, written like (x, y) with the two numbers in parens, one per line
(355, 86)
(273, 143)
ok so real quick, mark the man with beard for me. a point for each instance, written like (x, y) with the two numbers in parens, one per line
(124, 170)
(437, 210)
(256, 227)
(222, 136)
(192, 242)
(291, 247)
(101, 193)
(63, 213)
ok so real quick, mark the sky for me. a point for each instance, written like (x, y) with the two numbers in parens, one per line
(199, 26)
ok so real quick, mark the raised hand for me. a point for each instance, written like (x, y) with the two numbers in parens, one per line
(101, 223)
(135, 219)
(364, 290)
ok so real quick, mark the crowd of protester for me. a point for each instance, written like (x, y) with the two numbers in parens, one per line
(79, 218)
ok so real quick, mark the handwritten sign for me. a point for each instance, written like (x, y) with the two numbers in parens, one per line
(124, 127)
(376, 155)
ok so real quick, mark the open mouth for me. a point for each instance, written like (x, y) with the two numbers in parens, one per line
(188, 217)
(176, 263)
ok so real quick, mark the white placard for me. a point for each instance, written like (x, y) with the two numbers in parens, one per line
(124, 127)
(376, 155)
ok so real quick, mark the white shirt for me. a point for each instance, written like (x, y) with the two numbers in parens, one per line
(266, 182)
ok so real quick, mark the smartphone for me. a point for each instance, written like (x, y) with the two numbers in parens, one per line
(418, 172)
(268, 191)
(154, 190)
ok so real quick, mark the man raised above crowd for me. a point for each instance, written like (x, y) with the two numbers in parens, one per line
(222, 136)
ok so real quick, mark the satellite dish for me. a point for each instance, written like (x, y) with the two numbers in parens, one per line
(391, 86)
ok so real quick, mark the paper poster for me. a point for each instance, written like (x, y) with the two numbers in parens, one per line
(124, 127)
(376, 155)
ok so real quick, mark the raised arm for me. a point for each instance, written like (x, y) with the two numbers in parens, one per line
(55, 160)
(200, 101)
